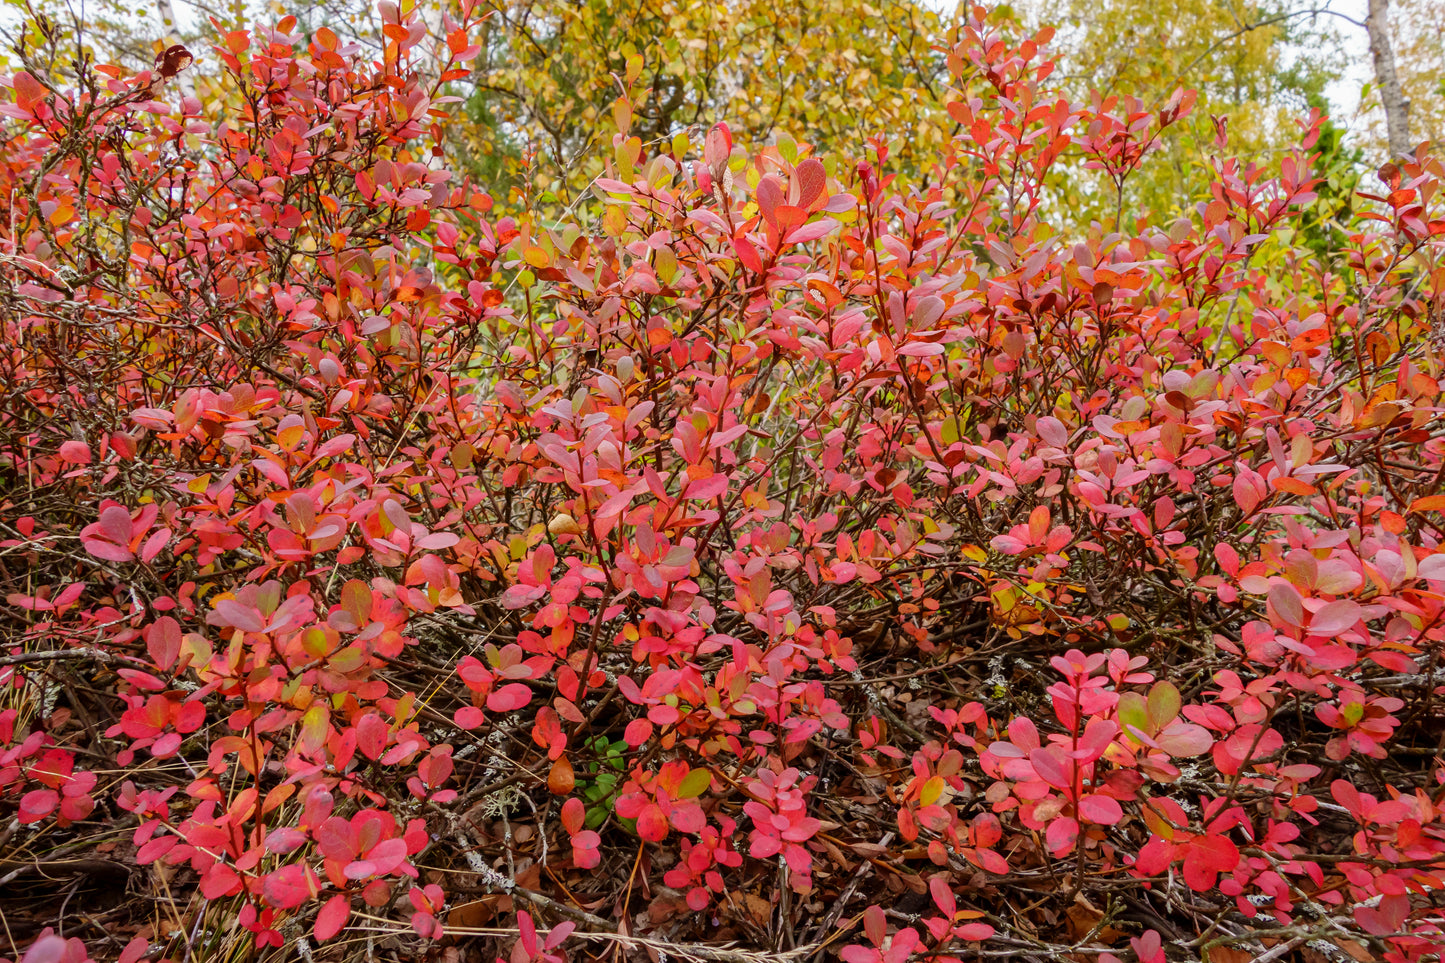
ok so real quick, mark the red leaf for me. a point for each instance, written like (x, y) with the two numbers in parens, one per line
(163, 642)
(332, 917)
(134, 950)
(288, 887)
(75, 452)
(748, 254)
(651, 823)
(637, 732)
(1388, 917)
(769, 195)
(527, 933)
(220, 880)
(812, 178)
(371, 735)
(574, 816)
(1061, 835)
(942, 894)
(1287, 603)
(875, 925)
(37, 804)
(1218, 852)
(153, 545)
(426, 926)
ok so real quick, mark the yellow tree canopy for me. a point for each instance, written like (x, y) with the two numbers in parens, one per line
(1257, 68)
(831, 72)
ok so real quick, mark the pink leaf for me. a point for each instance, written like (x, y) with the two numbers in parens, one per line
(48, 949)
(1052, 767)
(849, 954)
(1335, 618)
(1286, 602)
(1432, 568)
(811, 232)
(75, 452)
(239, 616)
(115, 524)
(37, 804)
(1008, 545)
(1103, 810)
(509, 697)
(106, 551)
(1183, 739)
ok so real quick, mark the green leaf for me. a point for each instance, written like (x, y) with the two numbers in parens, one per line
(1133, 712)
(694, 784)
(1164, 703)
(348, 659)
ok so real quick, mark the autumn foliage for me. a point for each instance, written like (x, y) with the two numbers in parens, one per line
(779, 557)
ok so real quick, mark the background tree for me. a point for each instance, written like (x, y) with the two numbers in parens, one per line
(1416, 29)
(1387, 78)
(832, 72)
(1256, 67)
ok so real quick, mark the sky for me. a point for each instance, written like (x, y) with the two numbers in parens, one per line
(1345, 93)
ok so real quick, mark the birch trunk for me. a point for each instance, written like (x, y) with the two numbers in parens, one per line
(1397, 108)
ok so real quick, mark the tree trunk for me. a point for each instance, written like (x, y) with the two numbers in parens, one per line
(168, 19)
(1397, 108)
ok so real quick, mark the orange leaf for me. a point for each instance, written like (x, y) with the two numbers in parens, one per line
(1310, 339)
(561, 779)
(1294, 486)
